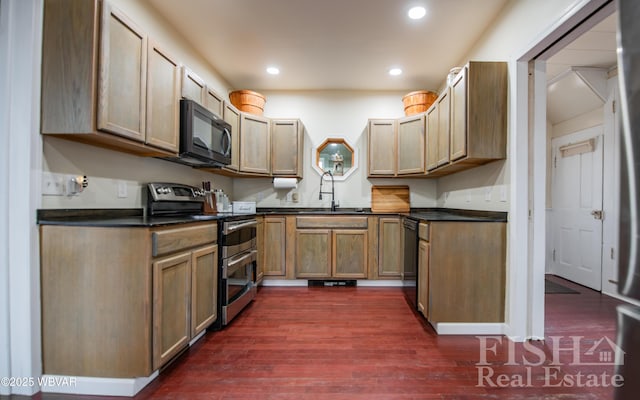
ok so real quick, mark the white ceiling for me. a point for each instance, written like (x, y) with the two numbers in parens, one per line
(331, 44)
(594, 48)
(572, 93)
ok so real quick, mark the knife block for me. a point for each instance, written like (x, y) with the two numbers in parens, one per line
(207, 209)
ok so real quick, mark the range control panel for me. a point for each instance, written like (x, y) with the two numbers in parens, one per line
(161, 191)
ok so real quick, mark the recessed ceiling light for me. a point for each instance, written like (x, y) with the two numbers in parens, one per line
(395, 71)
(417, 12)
(273, 70)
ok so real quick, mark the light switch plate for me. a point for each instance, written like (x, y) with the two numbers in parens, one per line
(122, 190)
(487, 194)
(52, 184)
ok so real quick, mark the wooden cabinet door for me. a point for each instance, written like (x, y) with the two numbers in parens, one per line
(313, 253)
(444, 116)
(204, 288)
(171, 307)
(255, 143)
(389, 245)
(193, 87)
(286, 148)
(459, 116)
(349, 255)
(432, 137)
(274, 246)
(122, 75)
(163, 99)
(213, 101)
(423, 278)
(232, 116)
(260, 250)
(382, 147)
(411, 145)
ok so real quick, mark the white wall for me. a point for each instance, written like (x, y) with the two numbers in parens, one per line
(519, 23)
(342, 114)
(106, 168)
(20, 41)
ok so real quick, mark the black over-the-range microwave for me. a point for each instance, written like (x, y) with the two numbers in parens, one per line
(205, 138)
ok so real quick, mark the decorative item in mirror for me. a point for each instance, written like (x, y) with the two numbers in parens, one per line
(336, 155)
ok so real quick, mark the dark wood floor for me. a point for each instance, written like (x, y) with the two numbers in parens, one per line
(366, 343)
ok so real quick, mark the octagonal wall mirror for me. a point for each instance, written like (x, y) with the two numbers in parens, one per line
(336, 155)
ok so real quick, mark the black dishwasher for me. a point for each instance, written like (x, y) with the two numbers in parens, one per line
(410, 256)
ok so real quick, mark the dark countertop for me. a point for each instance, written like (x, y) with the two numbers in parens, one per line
(421, 214)
(135, 217)
(117, 217)
(450, 214)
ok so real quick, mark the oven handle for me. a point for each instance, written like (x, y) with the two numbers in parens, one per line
(231, 226)
(236, 262)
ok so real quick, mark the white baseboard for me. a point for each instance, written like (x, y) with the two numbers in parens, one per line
(380, 283)
(304, 282)
(94, 386)
(284, 282)
(464, 328)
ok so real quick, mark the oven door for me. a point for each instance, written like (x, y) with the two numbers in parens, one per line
(238, 237)
(238, 284)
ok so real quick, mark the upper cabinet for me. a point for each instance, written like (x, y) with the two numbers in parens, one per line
(163, 93)
(95, 80)
(382, 147)
(465, 127)
(287, 141)
(411, 147)
(438, 132)
(396, 148)
(255, 144)
(232, 116)
(476, 119)
(194, 88)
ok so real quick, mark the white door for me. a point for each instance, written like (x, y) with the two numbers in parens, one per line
(577, 207)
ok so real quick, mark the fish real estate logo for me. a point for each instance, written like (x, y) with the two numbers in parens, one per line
(559, 361)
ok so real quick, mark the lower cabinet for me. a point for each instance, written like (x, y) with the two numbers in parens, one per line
(171, 301)
(330, 247)
(467, 269)
(313, 253)
(349, 253)
(119, 302)
(185, 300)
(204, 288)
(274, 260)
(423, 278)
(389, 247)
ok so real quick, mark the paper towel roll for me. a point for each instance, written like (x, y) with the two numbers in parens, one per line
(285, 183)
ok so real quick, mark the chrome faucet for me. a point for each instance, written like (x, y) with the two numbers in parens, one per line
(333, 192)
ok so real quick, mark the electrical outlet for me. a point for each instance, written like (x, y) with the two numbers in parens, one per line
(52, 184)
(487, 194)
(122, 190)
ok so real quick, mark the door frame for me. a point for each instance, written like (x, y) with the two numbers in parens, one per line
(528, 152)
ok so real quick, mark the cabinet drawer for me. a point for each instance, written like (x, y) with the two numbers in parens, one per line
(171, 240)
(332, 222)
(423, 231)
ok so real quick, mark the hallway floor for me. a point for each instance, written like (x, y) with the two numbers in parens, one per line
(366, 343)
